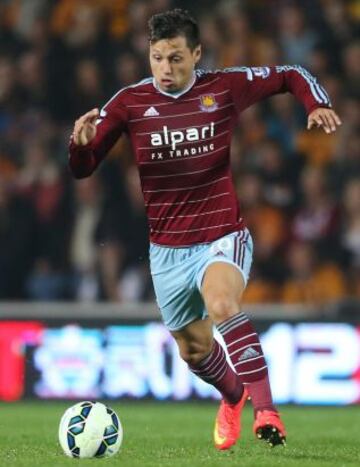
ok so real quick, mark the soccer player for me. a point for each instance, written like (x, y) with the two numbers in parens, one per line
(180, 122)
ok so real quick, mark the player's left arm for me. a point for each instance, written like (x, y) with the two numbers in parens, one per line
(250, 85)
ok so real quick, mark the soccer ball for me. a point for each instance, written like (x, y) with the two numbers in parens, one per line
(90, 429)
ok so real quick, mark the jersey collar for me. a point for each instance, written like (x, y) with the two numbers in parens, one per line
(176, 94)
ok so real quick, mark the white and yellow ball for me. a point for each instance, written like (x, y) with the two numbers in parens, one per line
(90, 429)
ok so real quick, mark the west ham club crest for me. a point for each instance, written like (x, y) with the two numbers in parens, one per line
(208, 103)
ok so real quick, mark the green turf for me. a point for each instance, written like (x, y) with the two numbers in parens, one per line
(179, 435)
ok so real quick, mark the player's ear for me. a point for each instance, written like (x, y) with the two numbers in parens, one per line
(197, 53)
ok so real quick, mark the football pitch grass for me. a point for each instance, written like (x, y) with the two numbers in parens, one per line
(180, 435)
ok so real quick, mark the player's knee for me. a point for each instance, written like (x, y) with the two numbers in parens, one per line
(221, 307)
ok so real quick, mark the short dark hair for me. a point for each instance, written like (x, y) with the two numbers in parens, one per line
(174, 23)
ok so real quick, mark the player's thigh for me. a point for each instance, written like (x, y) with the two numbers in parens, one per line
(195, 340)
(222, 289)
(173, 272)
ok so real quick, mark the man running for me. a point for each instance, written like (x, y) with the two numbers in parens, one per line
(180, 123)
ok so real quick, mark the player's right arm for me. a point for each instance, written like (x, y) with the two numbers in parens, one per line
(94, 134)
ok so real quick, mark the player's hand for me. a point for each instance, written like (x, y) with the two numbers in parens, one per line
(85, 128)
(324, 118)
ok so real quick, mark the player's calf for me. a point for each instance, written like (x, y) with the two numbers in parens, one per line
(245, 351)
(215, 370)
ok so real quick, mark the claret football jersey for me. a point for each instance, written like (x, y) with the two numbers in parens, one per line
(181, 144)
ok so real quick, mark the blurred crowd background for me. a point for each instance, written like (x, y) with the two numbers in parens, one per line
(87, 240)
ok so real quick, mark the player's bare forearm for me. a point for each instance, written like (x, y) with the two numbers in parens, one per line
(324, 118)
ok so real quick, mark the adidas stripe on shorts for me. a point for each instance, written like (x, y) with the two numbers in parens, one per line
(177, 274)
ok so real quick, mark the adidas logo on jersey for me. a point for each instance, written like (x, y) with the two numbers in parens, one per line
(151, 112)
(248, 353)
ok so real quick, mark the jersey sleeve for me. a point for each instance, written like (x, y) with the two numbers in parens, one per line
(250, 85)
(112, 122)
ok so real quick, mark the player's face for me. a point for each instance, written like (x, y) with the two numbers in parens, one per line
(172, 63)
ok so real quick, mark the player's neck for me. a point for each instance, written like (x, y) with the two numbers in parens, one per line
(177, 94)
